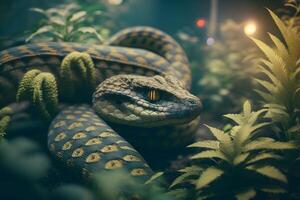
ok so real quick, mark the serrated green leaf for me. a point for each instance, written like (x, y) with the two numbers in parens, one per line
(209, 154)
(209, 144)
(278, 65)
(209, 175)
(263, 156)
(271, 172)
(259, 145)
(219, 134)
(237, 118)
(246, 195)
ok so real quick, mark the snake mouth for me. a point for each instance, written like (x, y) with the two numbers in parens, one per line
(134, 111)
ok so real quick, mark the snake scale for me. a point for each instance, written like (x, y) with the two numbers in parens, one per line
(143, 80)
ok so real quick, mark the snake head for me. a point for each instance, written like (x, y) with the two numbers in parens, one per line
(145, 101)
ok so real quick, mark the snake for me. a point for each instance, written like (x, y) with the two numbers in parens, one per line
(142, 81)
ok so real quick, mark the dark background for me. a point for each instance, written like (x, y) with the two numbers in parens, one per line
(168, 15)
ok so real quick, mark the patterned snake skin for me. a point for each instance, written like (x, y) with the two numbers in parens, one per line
(137, 71)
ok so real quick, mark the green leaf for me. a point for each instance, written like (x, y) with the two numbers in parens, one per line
(240, 158)
(246, 195)
(219, 134)
(271, 172)
(77, 16)
(247, 108)
(154, 177)
(209, 175)
(267, 85)
(183, 178)
(57, 21)
(237, 118)
(263, 156)
(266, 96)
(40, 11)
(90, 30)
(273, 190)
(279, 67)
(209, 144)
(43, 29)
(209, 154)
(192, 168)
(259, 145)
(294, 129)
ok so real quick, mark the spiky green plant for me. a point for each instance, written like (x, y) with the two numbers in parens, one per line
(238, 164)
(281, 94)
(68, 23)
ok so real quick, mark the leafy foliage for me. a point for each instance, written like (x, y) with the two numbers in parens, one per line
(238, 163)
(281, 91)
(67, 23)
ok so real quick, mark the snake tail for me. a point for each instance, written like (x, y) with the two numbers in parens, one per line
(82, 140)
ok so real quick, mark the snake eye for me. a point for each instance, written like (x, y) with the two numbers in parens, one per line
(153, 95)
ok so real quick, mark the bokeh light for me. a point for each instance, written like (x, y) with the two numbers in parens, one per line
(210, 41)
(115, 2)
(250, 28)
(200, 23)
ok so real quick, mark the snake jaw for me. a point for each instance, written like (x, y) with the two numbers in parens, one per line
(123, 99)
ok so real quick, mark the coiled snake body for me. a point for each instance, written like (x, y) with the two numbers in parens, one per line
(143, 80)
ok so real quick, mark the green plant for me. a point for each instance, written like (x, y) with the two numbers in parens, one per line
(67, 23)
(238, 164)
(281, 94)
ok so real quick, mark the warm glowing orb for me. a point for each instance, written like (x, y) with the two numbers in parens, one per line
(250, 28)
(201, 23)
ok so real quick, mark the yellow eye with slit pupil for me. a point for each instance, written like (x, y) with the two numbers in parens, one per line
(153, 95)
